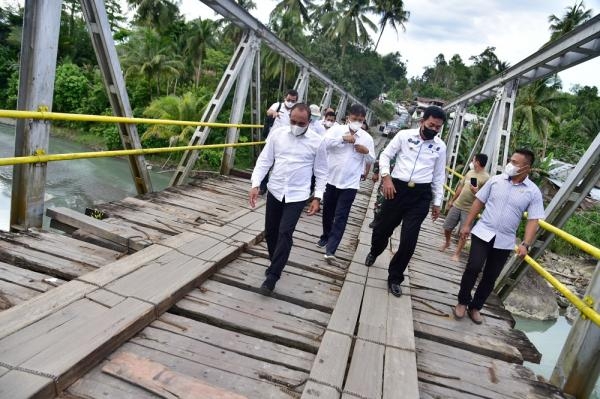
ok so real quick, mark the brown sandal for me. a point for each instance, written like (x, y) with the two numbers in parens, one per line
(455, 313)
(475, 316)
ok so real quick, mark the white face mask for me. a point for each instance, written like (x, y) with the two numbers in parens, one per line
(354, 126)
(289, 104)
(328, 124)
(511, 169)
(298, 130)
(471, 165)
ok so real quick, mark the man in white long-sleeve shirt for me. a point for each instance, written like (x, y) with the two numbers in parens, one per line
(416, 181)
(349, 148)
(296, 153)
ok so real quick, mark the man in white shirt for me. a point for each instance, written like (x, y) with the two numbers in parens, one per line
(315, 119)
(329, 120)
(295, 153)
(348, 149)
(281, 111)
(416, 181)
(278, 115)
(505, 197)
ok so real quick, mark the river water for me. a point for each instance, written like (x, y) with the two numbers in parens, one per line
(75, 184)
(82, 183)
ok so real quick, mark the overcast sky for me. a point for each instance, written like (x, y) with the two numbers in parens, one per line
(517, 28)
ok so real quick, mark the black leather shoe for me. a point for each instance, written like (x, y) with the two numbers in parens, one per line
(370, 260)
(267, 287)
(395, 289)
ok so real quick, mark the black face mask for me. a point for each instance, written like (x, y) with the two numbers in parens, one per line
(428, 133)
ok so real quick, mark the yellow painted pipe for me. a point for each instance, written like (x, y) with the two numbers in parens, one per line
(574, 299)
(579, 243)
(103, 154)
(4, 113)
(455, 173)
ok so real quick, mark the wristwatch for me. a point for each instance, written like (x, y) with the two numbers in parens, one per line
(525, 245)
(384, 175)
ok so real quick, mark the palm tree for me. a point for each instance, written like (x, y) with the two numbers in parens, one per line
(147, 54)
(200, 37)
(296, 10)
(230, 30)
(349, 24)
(155, 13)
(391, 13)
(537, 105)
(574, 16)
(186, 108)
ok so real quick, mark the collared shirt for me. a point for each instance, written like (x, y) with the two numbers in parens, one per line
(466, 197)
(284, 116)
(345, 163)
(294, 159)
(417, 160)
(505, 203)
(318, 127)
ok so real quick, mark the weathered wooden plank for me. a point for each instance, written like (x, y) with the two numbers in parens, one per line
(120, 235)
(297, 289)
(327, 374)
(89, 337)
(21, 385)
(62, 246)
(41, 262)
(210, 356)
(214, 376)
(160, 380)
(365, 377)
(26, 278)
(252, 317)
(27, 313)
(233, 341)
(454, 368)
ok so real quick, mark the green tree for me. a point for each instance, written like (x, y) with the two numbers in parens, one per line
(391, 13)
(536, 106)
(70, 87)
(348, 24)
(574, 16)
(150, 55)
(200, 37)
(189, 107)
(158, 14)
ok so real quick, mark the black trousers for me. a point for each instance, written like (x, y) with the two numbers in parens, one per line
(280, 222)
(337, 203)
(484, 256)
(409, 206)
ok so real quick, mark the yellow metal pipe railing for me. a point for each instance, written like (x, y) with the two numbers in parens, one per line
(571, 239)
(574, 299)
(104, 154)
(110, 119)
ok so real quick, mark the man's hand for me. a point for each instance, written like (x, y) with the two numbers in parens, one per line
(349, 138)
(361, 149)
(315, 206)
(474, 189)
(252, 196)
(522, 251)
(375, 177)
(389, 191)
(435, 212)
(465, 232)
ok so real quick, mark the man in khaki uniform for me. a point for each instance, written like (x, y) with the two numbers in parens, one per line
(459, 205)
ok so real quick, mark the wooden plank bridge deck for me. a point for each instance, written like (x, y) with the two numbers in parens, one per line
(160, 300)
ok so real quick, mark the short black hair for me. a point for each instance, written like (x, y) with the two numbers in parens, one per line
(366, 124)
(527, 153)
(482, 159)
(330, 113)
(302, 107)
(435, 112)
(292, 92)
(357, 109)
